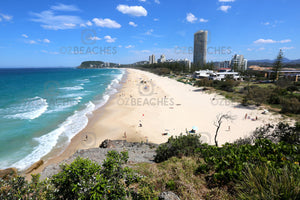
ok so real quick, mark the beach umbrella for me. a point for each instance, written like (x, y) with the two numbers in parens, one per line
(195, 128)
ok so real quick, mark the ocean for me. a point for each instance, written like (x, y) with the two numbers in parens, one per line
(42, 109)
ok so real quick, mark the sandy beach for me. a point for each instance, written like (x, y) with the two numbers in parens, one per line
(151, 108)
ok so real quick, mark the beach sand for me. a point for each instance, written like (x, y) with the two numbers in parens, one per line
(162, 105)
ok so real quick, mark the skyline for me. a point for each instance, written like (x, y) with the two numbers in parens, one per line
(52, 33)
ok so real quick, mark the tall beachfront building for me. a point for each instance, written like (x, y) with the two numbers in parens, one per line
(200, 46)
(152, 59)
(239, 63)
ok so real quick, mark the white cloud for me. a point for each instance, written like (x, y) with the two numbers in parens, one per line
(203, 20)
(149, 32)
(89, 23)
(285, 41)
(63, 7)
(108, 23)
(156, 19)
(272, 23)
(145, 51)
(109, 39)
(46, 40)
(94, 38)
(24, 35)
(287, 48)
(6, 17)
(266, 23)
(136, 11)
(270, 41)
(129, 46)
(261, 49)
(157, 1)
(226, 0)
(264, 41)
(56, 22)
(224, 8)
(54, 53)
(31, 42)
(191, 18)
(249, 49)
(142, 0)
(133, 24)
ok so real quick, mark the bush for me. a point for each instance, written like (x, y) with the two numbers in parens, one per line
(19, 188)
(258, 95)
(227, 85)
(267, 182)
(84, 179)
(227, 162)
(183, 145)
(290, 105)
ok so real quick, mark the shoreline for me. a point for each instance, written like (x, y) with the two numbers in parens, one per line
(167, 107)
(76, 142)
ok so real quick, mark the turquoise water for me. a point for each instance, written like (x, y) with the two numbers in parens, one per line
(43, 108)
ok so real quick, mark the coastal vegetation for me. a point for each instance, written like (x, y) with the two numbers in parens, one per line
(262, 166)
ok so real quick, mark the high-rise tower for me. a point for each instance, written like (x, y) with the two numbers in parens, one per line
(200, 45)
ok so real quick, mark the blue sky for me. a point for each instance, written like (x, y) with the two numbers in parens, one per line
(65, 33)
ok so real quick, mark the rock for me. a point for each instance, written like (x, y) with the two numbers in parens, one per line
(107, 144)
(34, 166)
(137, 152)
(8, 173)
(168, 196)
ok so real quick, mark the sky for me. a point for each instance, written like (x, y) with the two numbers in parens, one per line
(52, 33)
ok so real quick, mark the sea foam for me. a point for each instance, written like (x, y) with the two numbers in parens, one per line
(31, 109)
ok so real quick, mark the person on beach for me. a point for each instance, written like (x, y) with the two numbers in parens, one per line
(246, 116)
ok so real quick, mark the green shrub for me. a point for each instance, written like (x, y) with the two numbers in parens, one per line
(84, 179)
(19, 188)
(267, 182)
(183, 145)
(227, 162)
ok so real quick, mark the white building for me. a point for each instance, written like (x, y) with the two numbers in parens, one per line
(223, 75)
(162, 59)
(203, 73)
(239, 63)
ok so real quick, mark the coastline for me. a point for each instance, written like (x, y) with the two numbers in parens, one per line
(77, 142)
(164, 107)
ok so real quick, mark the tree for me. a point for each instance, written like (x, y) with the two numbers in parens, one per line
(219, 122)
(277, 65)
(235, 67)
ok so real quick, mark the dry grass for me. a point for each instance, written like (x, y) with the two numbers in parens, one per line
(178, 175)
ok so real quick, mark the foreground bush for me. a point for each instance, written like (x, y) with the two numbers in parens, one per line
(82, 179)
(226, 164)
(266, 182)
(183, 145)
